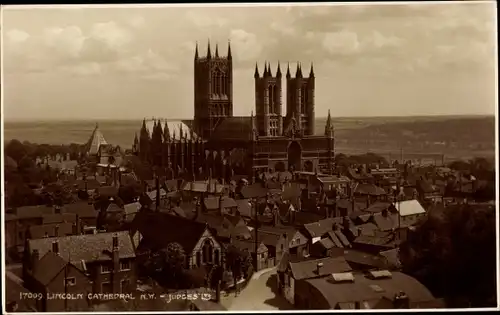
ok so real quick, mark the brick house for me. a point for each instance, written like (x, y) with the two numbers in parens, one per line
(106, 259)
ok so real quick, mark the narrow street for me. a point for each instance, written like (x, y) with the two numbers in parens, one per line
(258, 295)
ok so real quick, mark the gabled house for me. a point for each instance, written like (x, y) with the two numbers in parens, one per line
(106, 259)
(53, 274)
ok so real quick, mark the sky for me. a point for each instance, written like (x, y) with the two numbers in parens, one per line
(120, 62)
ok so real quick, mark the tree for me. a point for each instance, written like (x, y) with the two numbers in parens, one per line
(453, 253)
(16, 150)
(238, 261)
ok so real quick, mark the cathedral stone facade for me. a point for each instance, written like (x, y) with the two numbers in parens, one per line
(218, 143)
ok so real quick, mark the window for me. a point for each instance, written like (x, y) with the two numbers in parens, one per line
(207, 251)
(125, 286)
(217, 257)
(106, 287)
(71, 281)
(105, 269)
(125, 265)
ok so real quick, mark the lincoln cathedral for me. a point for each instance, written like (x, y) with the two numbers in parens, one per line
(218, 143)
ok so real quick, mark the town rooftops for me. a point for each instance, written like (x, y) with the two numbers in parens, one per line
(82, 209)
(409, 207)
(345, 294)
(50, 230)
(48, 267)
(212, 203)
(318, 268)
(370, 189)
(86, 248)
(33, 212)
(321, 227)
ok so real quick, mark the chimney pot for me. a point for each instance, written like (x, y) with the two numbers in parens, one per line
(319, 266)
(55, 247)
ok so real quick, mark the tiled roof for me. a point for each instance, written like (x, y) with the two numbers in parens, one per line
(161, 229)
(377, 240)
(386, 221)
(378, 207)
(87, 247)
(342, 238)
(49, 266)
(212, 203)
(244, 207)
(179, 212)
(327, 243)
(309, 269)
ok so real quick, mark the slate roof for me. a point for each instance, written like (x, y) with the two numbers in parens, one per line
(212, 203)
(49, 266)
(160, 229)
(378, 240)
(49, 230)
(87, 247)
(387, 221)
(309, 269)
(340, 236)
(378, 207)
(326, 243)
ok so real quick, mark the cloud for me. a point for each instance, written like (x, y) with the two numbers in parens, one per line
(201, 20)
(17, 36)
(137, 22)
(246, 44)
(73, 51)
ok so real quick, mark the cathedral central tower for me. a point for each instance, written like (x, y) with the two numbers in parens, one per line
(268, 102)
(213, 89)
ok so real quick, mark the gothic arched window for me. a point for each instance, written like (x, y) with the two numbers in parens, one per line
(198, 259)
(275, 99)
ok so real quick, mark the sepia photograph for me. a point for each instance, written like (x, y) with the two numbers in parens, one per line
(249, 157)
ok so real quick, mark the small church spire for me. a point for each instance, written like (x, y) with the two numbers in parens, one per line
(229, 56)
(196, 52)
(209, 52)
(166, 133)
(311, 73)
(256, 75)
(216, 50)
(278, 71)
(288, 75)
(329, 126)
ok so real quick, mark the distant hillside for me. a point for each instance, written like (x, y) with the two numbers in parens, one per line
(460, 136)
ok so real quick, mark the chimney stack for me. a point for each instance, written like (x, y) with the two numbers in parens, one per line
(319, 266)
(55, 247)
(116, 264)
(357, 305)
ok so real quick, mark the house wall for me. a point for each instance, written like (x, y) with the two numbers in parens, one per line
(101, 278)
(57, 285)
(192, 260)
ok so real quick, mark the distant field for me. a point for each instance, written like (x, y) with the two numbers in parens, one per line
(419, 137)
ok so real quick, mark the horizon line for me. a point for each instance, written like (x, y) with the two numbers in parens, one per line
(15, 120)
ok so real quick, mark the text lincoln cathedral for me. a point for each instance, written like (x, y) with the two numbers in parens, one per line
(217, 144)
